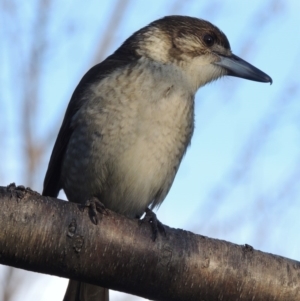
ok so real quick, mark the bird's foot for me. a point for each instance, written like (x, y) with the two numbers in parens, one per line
(94, 206)
(156, 225)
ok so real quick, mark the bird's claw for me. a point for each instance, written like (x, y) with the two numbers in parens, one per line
(156, 225)
(95, 206)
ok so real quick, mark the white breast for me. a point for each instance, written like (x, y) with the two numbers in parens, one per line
(144, 122)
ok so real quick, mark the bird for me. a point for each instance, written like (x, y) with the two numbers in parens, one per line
(130, 120)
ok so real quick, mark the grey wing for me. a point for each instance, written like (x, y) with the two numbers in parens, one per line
(52, 182)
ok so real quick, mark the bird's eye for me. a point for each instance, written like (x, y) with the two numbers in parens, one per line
(209, 40)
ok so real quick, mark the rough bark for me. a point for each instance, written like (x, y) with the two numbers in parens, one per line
(55, 237)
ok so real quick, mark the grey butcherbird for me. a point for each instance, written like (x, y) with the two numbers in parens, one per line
(131, 119)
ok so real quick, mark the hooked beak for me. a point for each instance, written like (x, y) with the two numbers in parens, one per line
(235, 66)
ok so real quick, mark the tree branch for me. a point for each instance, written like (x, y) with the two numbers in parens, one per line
(55, 237)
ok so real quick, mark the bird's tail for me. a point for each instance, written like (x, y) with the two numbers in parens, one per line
(79, 291)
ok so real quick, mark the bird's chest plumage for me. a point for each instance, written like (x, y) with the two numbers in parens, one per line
(133, 133)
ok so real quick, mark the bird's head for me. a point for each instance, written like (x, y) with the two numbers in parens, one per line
(197, 47)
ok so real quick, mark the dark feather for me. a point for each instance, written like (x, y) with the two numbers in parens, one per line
(124, 56)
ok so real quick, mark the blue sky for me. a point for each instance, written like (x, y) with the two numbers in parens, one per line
(238, 181)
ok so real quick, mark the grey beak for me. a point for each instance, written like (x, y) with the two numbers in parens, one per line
(235, 66)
